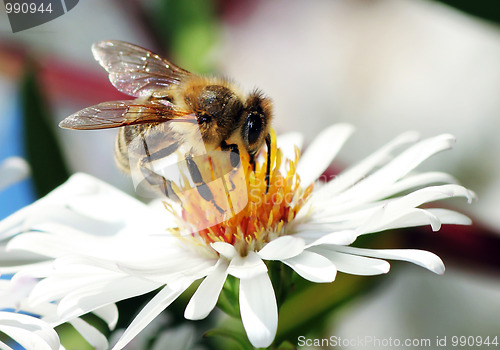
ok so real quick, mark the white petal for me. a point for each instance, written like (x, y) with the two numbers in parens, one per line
(431, 194)
(225, 249)
(56, 287)
(400, 212)
(422, 258)
(353, 264)
(384, 219)
(109, 314)
(13, 292)
(10, 226)
(205, 298)
(73, 274)
(420, 217)
(415, 181)
(80, 195)
(370, 187)
(259, 312)
(95, 296)
(287, 143)
(47, 244)
(283, 247)
(339, 214)
(100, 200)
(247, 267)
(335, 218)
(354, 174)
(152, 309)
(91, 334)
(313, 267)
(13, 261)
(413, 156)
(168, 270)
(321, 152)
(76, 185)
(29, 332)
(141, 341)
(12, 170)
(345, 237)
(450, 216)
(65, 219)
(109, 207)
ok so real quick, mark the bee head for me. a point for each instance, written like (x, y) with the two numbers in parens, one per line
(257, 115)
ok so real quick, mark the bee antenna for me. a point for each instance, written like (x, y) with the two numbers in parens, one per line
(268, 169)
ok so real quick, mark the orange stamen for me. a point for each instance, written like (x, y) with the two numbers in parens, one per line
(250, 217)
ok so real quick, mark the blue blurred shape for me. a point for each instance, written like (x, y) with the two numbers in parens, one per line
(20, 194)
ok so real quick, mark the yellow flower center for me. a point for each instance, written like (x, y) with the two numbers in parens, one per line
(237, 209)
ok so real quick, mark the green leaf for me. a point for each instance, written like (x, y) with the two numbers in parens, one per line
(281, 278)
(228, 299)
(307, 309)
(487, 9)
(41, 147)
(232, 331)
(71, 339)
(286, 345)
(310, 305)
(190, 29)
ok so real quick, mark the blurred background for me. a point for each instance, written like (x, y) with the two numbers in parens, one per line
(386, 66)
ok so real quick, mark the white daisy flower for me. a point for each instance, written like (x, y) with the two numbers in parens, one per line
(22, 328)
(27, 331)
(104, 246)
(32, 325)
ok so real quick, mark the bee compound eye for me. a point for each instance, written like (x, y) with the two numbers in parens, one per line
(253, 128)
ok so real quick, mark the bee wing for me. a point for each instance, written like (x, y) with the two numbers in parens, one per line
(114, 114)
(136, 71)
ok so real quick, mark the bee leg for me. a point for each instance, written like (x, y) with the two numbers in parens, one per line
(201, 186)
(234, 156)
(152, 177)
(169, 191)
(268, 168)
(157, 180)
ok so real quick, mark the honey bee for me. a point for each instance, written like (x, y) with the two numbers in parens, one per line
(175, 111)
